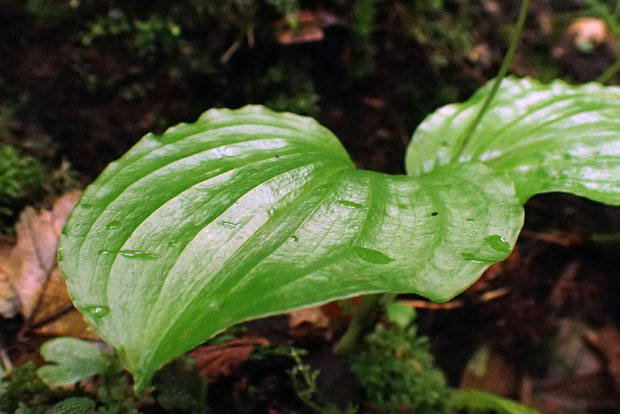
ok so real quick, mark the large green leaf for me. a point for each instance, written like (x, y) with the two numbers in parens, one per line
(249, 213)
(553, 137)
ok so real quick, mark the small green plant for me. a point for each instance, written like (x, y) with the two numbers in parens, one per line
(21, 176)
(26, 180)
(257, 213)
(178, 387)
(394, 366)
(248, 213)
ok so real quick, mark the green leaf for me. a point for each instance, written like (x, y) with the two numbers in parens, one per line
(400, 314)
(71, 360)
(475, 400)
(73, 405)
(249, 213)
(554, 137)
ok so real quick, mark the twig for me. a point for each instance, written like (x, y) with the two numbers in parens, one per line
(485, 297)
(231, 50)
(546, 237)
(58, 313)
(609, 73)
(6, 361)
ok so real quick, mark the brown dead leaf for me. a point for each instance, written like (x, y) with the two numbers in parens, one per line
(311, 316)
(34, 257)
(576, 379)
(31, 270)
(606, 340)
(309, 29)
(490, 371)
(588, 32)
(309, 323)
(70, 323)
(55, 314)
(9, 302)
(214, 361)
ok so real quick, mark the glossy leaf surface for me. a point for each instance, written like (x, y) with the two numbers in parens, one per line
(547, 138)
(249, 213)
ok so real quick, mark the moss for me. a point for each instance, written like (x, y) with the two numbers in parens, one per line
(22, 177)
(395, 368)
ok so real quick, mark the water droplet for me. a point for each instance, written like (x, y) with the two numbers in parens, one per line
(104, 252)
(271, 211)
(227, 224)
(371, 256)
(97, 311)
(497, 242)
(113, 225)
(174, 243)
(495, 248)
(349, 204)
(214, 306)
(294, 238)
(355, 228)
(139, 255)
(472, 258)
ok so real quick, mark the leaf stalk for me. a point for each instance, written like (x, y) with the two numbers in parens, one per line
(471, 128)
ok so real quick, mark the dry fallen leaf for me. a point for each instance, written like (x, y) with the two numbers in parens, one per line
(308, 27)
(312, 316)
(34, 256)
(9, 303)
(31, 270)
(588, 32)
(490, 371)
(214, 361)
(606, 340)
(308, 30)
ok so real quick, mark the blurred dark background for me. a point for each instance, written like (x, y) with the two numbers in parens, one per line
(85, 79)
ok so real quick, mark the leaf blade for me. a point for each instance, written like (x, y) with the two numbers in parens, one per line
(71, 360)
(554, 137)
(199, 229)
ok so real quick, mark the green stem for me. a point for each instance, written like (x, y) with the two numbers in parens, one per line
(609, 73)
(471, 128)
(363, 318)
(360, 322)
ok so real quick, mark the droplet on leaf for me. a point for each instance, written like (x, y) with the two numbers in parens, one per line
(139, 255)
(372, 256)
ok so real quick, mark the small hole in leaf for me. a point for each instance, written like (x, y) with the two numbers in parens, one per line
(434, 213)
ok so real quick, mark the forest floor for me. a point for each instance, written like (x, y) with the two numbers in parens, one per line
(82, 80)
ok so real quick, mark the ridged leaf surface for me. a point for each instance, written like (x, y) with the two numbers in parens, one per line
(547, 138)
(249, 213)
